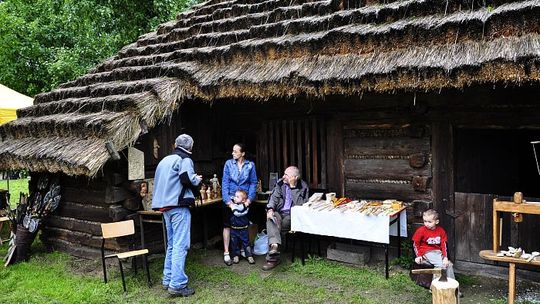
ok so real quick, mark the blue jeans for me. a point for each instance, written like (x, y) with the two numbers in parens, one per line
(178, 223)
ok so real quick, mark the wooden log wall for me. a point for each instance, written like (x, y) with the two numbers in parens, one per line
(75, 227)
(387, 161)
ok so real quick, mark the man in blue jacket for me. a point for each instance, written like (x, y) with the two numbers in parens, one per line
(174, 184)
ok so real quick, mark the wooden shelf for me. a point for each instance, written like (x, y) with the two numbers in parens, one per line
(207, 202)
(492, 256)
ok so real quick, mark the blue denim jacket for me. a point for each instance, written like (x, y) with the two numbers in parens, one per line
(233, 180)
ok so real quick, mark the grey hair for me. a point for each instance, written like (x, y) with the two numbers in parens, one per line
(295, 170)
(184, 141)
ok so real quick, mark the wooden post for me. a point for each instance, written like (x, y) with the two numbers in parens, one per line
(511, 283)
(445, 292)
(495, 229)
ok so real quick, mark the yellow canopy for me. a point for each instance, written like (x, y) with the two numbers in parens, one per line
(10, 101)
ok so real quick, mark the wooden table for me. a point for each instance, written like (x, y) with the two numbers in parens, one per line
(518, 206)
(358, 235)
(156, 217)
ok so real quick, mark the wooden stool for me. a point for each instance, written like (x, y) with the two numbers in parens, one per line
(421, 279)
(444, 290)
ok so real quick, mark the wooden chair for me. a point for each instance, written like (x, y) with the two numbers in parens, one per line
(119, 229)
(4, 220)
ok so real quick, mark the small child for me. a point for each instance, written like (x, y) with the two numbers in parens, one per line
(429, 243)
(239, 227)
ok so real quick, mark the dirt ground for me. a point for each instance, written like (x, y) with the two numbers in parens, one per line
(485, 289)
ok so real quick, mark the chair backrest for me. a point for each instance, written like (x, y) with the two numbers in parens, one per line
(111, 230)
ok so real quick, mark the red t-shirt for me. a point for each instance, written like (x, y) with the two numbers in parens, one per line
(425, 240)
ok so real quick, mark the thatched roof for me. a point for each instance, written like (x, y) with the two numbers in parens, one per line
(257, 50)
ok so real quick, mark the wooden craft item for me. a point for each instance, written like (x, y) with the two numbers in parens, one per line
(420, 183)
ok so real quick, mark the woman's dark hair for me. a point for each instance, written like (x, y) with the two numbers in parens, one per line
(242, 146)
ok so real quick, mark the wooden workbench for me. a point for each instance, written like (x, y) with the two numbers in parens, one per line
(518, 206)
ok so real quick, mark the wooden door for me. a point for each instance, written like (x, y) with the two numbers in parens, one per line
(473, 225)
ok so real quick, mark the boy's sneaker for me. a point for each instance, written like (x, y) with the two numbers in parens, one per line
(236, 259)
(251, 260)
(181, 292)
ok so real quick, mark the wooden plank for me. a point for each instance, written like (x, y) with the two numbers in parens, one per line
(463, 231)
(82, 238)
(284, 141)
(473, 234)
(292, 143)
(278, 147)
(383, 169)
(307, 144)
(263, 156)
(323, 137)
(530, 208)
(492, 256)
(108, 195)
(71, 248)
(443, 177)
(73, 224)
(386, 145)
(83, 195)
(299, 150)
(84, 212)
(315, 157)
(272, 147)
(333, 167)
(403, 192)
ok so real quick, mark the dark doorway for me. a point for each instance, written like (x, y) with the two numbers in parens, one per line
(496, 162)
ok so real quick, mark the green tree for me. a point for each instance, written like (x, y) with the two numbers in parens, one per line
(44, 43)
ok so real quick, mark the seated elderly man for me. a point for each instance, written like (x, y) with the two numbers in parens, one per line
(289, 191)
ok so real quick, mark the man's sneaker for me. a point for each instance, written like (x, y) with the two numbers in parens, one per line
(236, 259)
(251, 260)
(181, 292)
(227, 259)
(269, 265)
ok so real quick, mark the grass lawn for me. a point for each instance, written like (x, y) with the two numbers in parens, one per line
(16, 186)
(59, 278)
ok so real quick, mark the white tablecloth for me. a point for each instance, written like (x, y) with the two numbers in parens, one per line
(350, 225)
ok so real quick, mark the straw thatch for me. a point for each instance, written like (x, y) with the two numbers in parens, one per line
(258, 50)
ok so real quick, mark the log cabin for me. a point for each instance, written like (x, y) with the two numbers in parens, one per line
(430, 102)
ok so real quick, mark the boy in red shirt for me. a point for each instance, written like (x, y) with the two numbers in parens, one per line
(429, 243)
